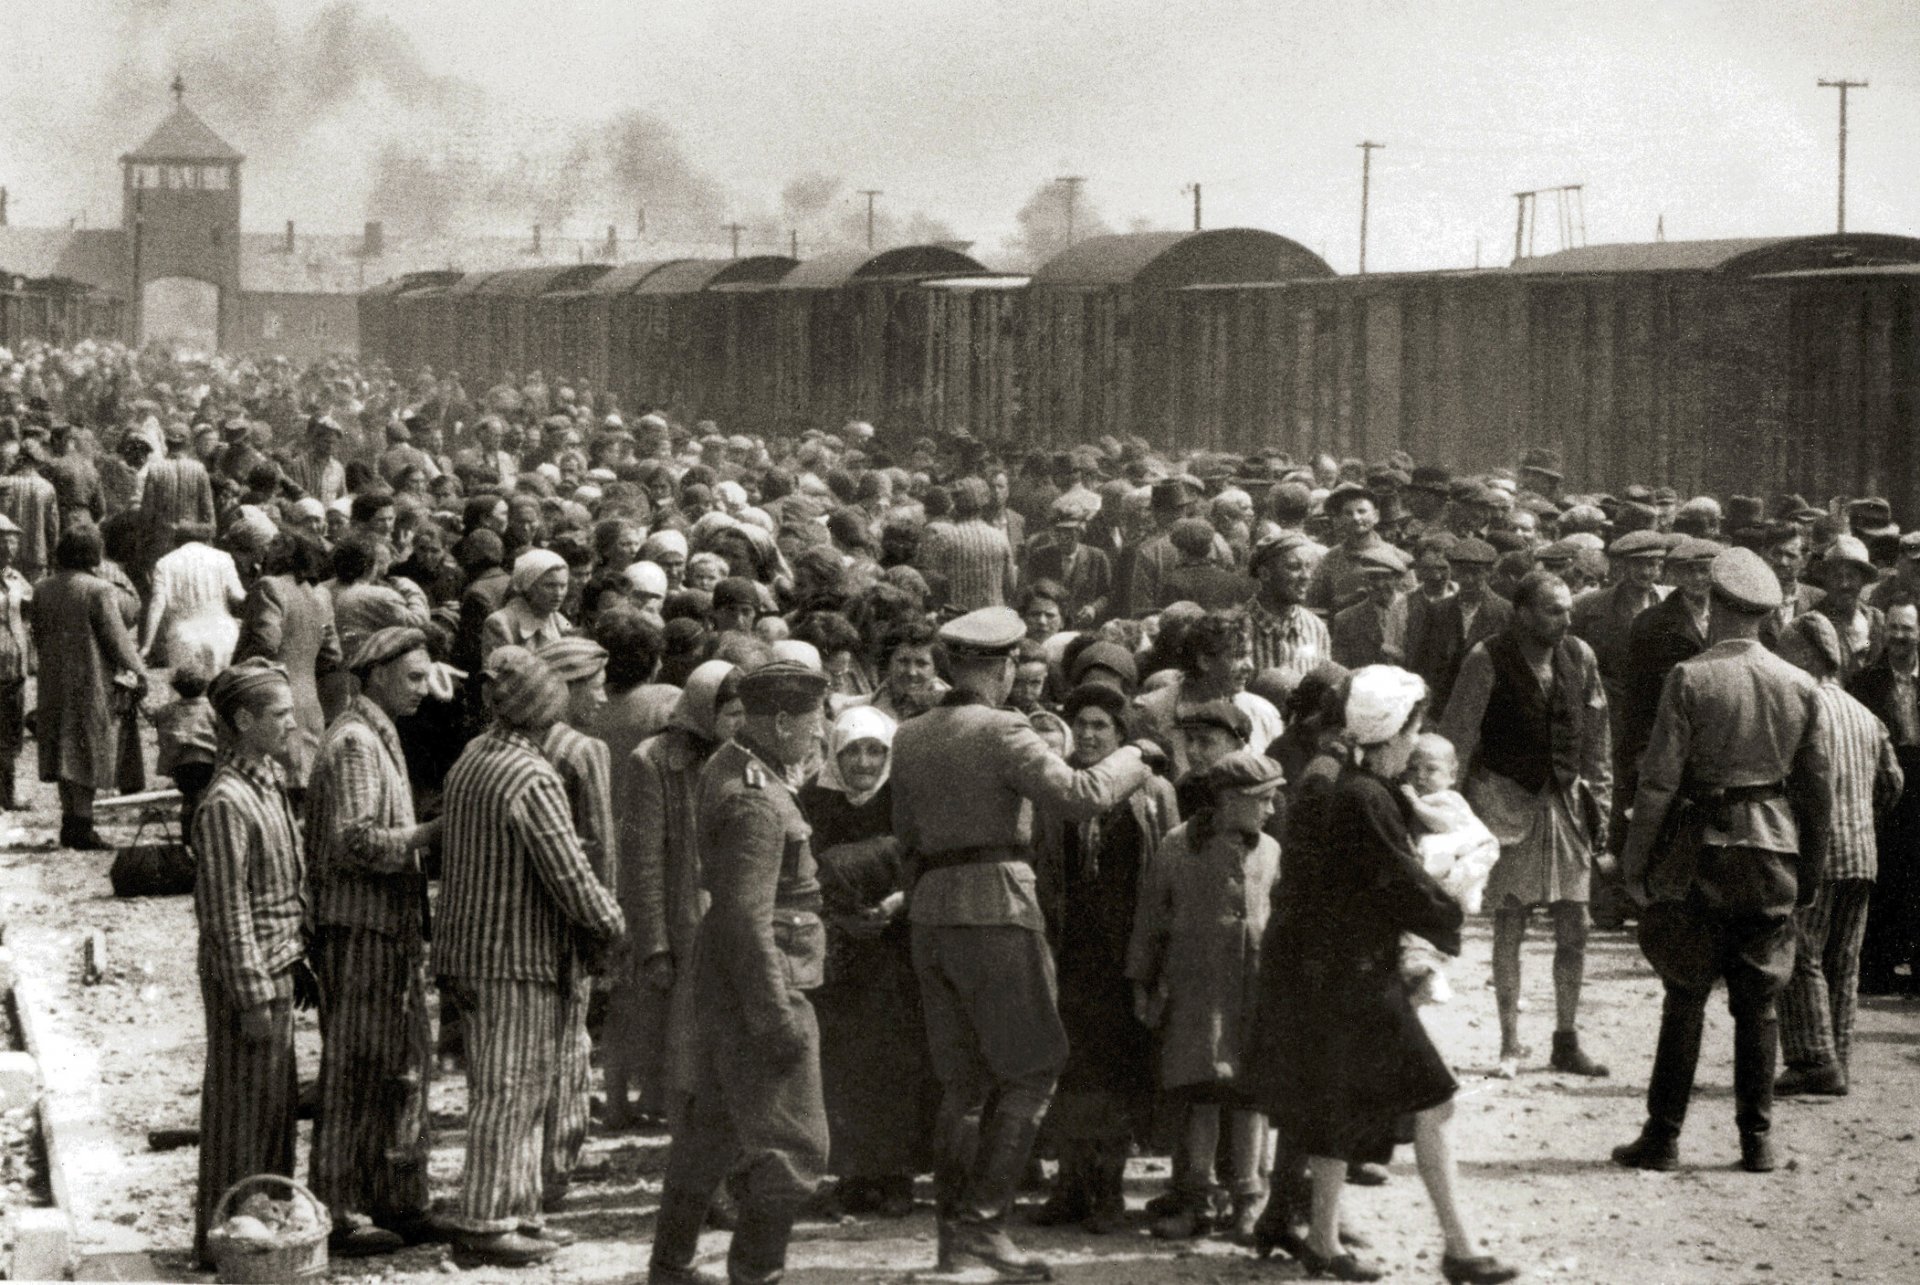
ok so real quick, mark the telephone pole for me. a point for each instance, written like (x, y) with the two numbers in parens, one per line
(735, 229)
(1072, 183)
(1843, 86)
(1195, 189)
(1366, 185)
(793, 243)
(870, 194)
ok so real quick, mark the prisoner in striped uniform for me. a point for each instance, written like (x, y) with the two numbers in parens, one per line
(248, 901)
(370, 1144)
(585, 767)
(170, 490)
(1818, 1004)
(519, 906)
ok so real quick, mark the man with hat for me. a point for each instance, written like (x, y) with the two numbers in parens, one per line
(967, 776)
(29, 501)
(1890, 687)
(1904, 583)
(519, 906)
(236, 460)
(1341, 578)
(1360, 632)
(370, 917)
(171, 490)
(1730, 832)
(318, 470)
(1282, 633)
(401, 453)
(1470, 509)
(1540, 473)
(248, 902)
(1870, 517)
(1845, 571)
(16, 661)
(120, 472)
(1197, 577)
(1672, 630)
(1700, 517)
(1473, 614)
(1426, 496)
(757, 1108)
(1784, 546)
(1172, 499)
(1060, 555)
(585, 765)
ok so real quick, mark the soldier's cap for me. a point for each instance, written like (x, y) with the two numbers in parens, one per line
(1431, 477)
(782, 687)
(985, 633)
(1223, 714)
(1245, 772)
(1639, 544)
(1691, 548)
(383, 645)
(1273, 546)
(1473, 552)
(1743, 581)
(572, 658)
(1346, 493)
(1383, 558)
(1850, 550)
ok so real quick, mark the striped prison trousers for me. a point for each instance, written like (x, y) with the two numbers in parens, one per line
(371, 1141)
(248, 1100)
(567, 1111)
(1818, 1003)
(513, 1041)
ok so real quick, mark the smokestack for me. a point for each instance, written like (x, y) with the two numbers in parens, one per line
(536, 238)
(613, 241)
(375, 241)
(289, 236)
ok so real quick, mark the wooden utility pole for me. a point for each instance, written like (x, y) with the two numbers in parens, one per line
(870, 194)
(1195, 189)
(1072, 183)
(1366, 185)
(1843, 86)
(735, 229)
(793, 243)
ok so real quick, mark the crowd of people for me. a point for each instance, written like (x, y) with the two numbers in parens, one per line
(869, 806)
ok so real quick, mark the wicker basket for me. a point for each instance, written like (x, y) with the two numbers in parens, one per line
(252, 1262)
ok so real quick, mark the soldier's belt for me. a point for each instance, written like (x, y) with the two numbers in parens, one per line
(985, 855)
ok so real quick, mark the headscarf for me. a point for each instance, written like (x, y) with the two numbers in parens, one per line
(526, 694)
(663, 541)
(1045, 720)
(385, 644)
(698, 705)
(531, 565)
(709, 526)
(858, 723)
(1379, 700)
(240, 682)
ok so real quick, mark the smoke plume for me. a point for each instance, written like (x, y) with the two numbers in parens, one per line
(1042, 225)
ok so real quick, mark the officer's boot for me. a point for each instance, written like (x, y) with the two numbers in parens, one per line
(979, 1231)
(1755, 1041)
(759, 1252)
(1670, 1087)
(9, 799)
(676, 1239)
(956, 1143)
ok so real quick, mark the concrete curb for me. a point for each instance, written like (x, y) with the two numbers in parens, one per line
(43, 1239)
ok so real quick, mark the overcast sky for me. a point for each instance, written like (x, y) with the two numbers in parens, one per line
(1704, 111)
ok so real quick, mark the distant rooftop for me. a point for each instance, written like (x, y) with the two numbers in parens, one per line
(183, 136)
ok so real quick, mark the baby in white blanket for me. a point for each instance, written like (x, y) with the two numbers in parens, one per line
(1457, 849)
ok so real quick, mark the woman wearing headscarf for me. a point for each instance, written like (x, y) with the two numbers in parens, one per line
(880, 1091)
(668, 549)
(1088, 877)
(531, 614)
(1339, 1057)
(649, 1023)
(288, 618)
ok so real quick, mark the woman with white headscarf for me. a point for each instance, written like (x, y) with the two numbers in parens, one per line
(531, 614)
(879, 1086)
(1340, 1059)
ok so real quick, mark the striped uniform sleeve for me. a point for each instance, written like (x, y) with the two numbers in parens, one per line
(542, 822)
(359, 772)
(224, 834)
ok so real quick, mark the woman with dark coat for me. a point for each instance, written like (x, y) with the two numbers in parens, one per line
(288, 619)
(880, 1091)
(1341, 1060)
(1088, 877)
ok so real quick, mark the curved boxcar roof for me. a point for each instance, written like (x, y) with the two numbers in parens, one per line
(533, 281)
(690, 276)
(840, 267)
(410, 282)
(624, 277)
(1221, 255)
(1741, 256)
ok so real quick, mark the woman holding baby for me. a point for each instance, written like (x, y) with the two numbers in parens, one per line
(1344, 1065)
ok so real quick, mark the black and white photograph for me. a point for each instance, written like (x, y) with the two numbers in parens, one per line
(955, 642)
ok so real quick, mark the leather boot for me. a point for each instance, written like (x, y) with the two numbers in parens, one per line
(9, 800)
(1108, 1187)
(979, 1231)
(676, 1239)
(1756, 1045)
(1675, 1058)
(1570, 1058)
(758, 1255)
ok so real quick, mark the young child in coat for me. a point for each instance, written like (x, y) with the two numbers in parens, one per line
(1457, 849)
(187, 742)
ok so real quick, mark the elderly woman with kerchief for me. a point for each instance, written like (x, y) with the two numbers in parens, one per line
(531, 614)
(879, 1087)
(1341, 1061)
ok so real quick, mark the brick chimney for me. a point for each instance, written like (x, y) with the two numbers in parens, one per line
(375, 241)
(289, 245)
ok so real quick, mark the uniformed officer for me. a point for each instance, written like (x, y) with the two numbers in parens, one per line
(1729, 833)
(966, 777)
(756, 1105)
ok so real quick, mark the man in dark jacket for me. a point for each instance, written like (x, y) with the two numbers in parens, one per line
(1888, 688)
(1453, 627)
(1672, 630)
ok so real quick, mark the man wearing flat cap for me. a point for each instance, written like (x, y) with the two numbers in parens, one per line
(967, 776)
(519, 902)
(32, 504)
(1360, 631)
(369, 1163)
(1730, 831)
(1061, 555)
(1341, 578)
(1845, 571)
(757, 1107)
(1281, 632)
(1672, 630)
(1473, 614)
(318, 470)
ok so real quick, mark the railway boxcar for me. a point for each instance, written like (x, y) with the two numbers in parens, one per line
(673, 348)
(386, 327)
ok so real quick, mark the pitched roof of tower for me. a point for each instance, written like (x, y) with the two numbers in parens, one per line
(183, 136)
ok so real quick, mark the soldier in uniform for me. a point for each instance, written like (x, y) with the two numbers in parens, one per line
(1729, 834)
(757, 1108)
(966, 777)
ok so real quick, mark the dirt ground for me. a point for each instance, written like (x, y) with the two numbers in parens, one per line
(1534, 1151)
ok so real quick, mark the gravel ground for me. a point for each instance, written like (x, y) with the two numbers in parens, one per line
(1534, 1151)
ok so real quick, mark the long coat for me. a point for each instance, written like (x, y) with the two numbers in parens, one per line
(290, 622)
(1196, 946)
(81, 635)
